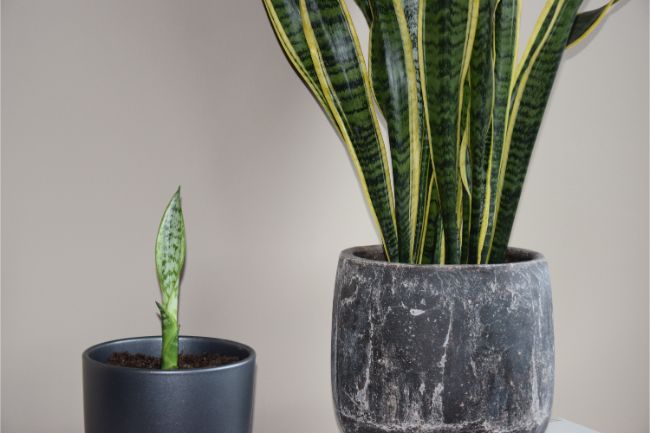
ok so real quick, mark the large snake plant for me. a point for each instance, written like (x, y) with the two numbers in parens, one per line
(462, 114)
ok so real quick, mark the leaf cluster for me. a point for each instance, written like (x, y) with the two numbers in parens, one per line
(462, 112)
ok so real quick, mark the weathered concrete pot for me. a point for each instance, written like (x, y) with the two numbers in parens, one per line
(442, 349)
(201, 400)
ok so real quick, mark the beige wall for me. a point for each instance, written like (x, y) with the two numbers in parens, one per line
(108, 105)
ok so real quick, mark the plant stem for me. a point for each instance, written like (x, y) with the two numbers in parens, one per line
(169, 353)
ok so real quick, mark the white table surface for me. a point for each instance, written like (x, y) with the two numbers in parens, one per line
(558, 425)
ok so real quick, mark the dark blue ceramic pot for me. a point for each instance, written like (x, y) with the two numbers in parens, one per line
(202, 400)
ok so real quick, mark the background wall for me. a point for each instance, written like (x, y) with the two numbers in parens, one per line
(109, 105)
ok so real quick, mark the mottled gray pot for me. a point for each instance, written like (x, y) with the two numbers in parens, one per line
(201, 400)
(442, 349)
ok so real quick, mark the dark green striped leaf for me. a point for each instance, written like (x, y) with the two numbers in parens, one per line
(544, 20)
(528, 109)
(341, 71)
(481, 87)
(286, 21)
(466, 227)
(411, 11)
(445, 48)
(394, 82)
(433, 231)
(586, 22)
(506, 27)
(426, 172)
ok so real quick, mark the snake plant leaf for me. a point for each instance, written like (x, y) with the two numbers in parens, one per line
(586, 22)
(439, 243)
(284, 16)
(170, 247)
(481, 89)
(394, 82)
(411, 11)
(170, 258)
(445, 42)
(546, 18)
(341, 71)
(429, 248)
(505, 43)
(464, 194)
(426, 178)
(170, 334)
(528, 108)
(504, 108)
(466, 226)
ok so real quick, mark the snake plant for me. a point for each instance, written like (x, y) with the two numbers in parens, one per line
(462, 113)
(170, 258)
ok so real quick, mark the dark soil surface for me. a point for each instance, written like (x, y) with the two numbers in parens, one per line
(139, 360)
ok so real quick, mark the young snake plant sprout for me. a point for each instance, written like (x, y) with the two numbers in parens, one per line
(462, 112)
(170, 258)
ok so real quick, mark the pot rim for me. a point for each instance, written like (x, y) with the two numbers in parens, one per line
(250, 358)
(527, 257)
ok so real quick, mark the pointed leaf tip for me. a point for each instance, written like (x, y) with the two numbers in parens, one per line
(170, 248)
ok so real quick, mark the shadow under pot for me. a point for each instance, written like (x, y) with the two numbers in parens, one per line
(136, 400)
(442, 349)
